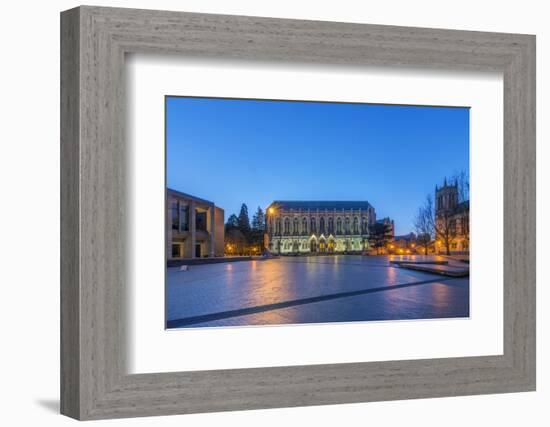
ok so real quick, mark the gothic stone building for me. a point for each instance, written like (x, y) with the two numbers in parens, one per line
(454, 216)
(302, 227)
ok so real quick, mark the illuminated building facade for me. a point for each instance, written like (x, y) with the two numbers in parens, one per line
(452, 218)
(312, 227)
(194, 227)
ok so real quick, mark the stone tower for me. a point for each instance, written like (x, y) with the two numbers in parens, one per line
(446, 197)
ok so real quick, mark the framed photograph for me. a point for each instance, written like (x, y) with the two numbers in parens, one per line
(314, 259)
(261, 213)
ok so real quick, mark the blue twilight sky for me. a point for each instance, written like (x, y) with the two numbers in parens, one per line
(254, 151)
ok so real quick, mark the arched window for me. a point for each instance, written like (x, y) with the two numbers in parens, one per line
(338, 226)
(304, 226)
(322, 225)
(331, 225)
(364, 225)
(287, 226)
(355, 225)
(313, 226)
(346, 229)
(278, 226)
(295, 230)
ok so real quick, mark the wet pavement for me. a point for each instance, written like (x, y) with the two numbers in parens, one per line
(322, 289)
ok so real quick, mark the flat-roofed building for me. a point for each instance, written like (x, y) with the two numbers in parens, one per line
(194, 227)
(302, 227)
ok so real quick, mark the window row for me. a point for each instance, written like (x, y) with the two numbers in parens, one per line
(288, 226)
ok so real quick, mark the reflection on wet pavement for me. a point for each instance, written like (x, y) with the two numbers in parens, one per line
(309, 290)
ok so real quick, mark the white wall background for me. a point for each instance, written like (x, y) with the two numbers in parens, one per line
(29, 213)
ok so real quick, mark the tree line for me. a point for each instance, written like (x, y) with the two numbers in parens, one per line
(242, 236)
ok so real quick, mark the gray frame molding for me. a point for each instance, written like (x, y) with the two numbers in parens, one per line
(94, 382)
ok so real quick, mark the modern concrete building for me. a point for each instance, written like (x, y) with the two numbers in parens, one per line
(302, 227)
(194, 227)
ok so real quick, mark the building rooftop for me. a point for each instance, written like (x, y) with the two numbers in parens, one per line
(320, 204)
(188, 196)
(410, 236)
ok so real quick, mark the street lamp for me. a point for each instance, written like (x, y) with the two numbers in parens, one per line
(269, 229)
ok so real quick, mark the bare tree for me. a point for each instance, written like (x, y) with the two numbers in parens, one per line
(441, 224)
(462, 180)
(445, 228)
(424, 224)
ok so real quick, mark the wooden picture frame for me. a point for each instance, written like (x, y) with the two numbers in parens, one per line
(94, 382)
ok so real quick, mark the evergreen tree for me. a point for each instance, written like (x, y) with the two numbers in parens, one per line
(243, 221)
(258, 220)
(256, 235)
(379, 235)
(232, 222)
